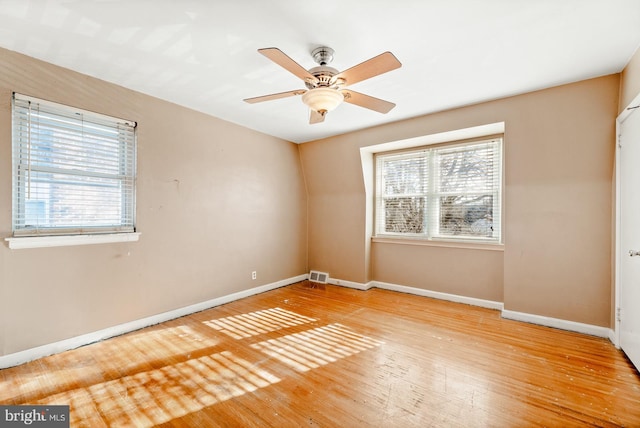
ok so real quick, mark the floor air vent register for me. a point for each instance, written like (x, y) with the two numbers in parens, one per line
(321, 277)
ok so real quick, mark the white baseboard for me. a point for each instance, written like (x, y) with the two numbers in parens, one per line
(438, 295)
(592, 330)
(589, 329)
(21, 357)
(349, 284)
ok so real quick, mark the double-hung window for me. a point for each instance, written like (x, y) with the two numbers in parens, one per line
(74, 171)
(446, 192)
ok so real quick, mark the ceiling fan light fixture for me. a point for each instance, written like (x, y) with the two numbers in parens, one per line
(322, 100)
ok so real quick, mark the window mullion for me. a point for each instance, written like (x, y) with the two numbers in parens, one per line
(435, 193)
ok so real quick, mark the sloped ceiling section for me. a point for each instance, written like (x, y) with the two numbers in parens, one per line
(203, 54)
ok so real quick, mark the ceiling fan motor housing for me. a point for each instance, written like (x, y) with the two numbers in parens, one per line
(324, 75)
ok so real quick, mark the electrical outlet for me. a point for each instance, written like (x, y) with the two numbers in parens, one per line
(254, 274)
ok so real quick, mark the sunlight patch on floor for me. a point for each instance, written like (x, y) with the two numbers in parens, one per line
(316, 347)
(259, 322)
(158, 396)
(174, 340)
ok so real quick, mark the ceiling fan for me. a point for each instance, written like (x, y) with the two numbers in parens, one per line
(326, 86)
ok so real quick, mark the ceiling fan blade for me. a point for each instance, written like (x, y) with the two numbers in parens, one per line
(372, 67)
(315, 117)
(280, 58)
(366, 101)
(274, 96)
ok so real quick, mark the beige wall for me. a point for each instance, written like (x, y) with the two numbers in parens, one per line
(477, 273)
(215, 201)
(559, 150)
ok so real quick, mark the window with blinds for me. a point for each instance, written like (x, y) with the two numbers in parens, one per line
(73, 170)
(449, 192)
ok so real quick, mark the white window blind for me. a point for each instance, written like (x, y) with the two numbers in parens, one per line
(73, 170)
(446, 192)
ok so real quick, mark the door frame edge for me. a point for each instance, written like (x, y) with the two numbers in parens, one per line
(630, 108)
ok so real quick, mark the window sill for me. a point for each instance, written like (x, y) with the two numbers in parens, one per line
(469, 245)
(16, 243)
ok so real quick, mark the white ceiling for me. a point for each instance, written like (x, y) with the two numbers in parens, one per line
(202, 53)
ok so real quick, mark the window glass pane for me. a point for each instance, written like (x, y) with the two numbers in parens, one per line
(466, 215)
(465, 170)
(404, 176)
(404, 215)
(35, 212)
(76, 201)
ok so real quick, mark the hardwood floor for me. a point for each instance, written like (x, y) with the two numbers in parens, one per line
(315, 355)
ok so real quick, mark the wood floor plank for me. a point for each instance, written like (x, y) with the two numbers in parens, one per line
(316, 355)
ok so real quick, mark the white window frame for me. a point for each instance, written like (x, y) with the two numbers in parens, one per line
(431, 195)
(86, 230)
